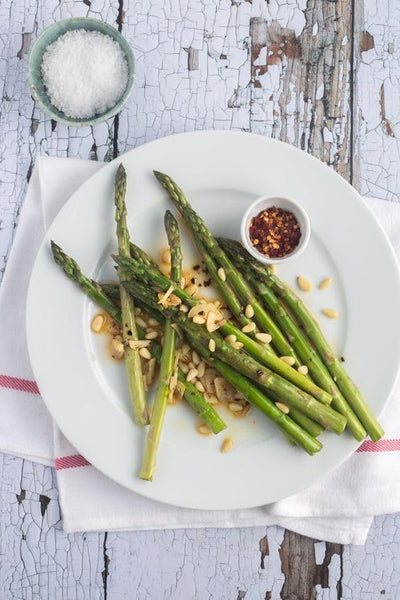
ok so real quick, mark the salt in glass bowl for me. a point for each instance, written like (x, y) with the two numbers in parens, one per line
(34, 75)
(264, 203)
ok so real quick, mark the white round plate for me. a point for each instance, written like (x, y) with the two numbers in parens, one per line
(221, 172)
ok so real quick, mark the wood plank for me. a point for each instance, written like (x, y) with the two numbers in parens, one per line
(301, 81)
(377, 90)
(38, 560)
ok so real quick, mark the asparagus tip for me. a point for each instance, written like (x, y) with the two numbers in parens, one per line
(121, 170)
(160, 176)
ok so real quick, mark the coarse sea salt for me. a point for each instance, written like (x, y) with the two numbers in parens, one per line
(85, 73)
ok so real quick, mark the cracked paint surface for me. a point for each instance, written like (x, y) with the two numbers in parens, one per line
(323, 76)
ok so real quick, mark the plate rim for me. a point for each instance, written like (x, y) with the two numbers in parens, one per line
(119, 159)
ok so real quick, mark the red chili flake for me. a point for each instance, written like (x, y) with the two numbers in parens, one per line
(275, 232)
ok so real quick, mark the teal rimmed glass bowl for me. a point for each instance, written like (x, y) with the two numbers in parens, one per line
(47, 37)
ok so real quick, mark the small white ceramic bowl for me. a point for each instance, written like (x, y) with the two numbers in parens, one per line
(285, 204)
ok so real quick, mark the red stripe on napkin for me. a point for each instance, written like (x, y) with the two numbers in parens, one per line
(22, 385)
(380, 446)
(69, 462)
(77, 460)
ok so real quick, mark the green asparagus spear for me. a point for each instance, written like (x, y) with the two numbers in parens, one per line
(312, 330)
(100, 296)
(167, 359)
(299, 341)
(129, 332)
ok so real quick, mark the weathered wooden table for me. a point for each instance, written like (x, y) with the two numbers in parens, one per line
(323, 75)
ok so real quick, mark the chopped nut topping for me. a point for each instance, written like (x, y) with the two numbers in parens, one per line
(98, 323)
(265, 338)
(166, 256)
(249, 327)
(227, 445)
(144, 353)
(288, 360)
(249, 311)
(221, 274)
(325, 283)
(117, 349)
(330, 313)
(203, 429)
(304, 284)
(138, 344)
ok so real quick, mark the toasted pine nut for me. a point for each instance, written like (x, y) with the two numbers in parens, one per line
(144, 353)
(153, 322)
(304, 284)
(235, 407)
(183, 308)
(191, 365)
(213, 321)
(199, 320)
(191, 289)
(137, 310)
(331, 313)
(325, 283)
(185, 349)
(141, 322)
(282, 407)
(201, 367)
(117, 349)
(151, 335)
(151, 371)
(221, 274)
(138, 344)
(249, 327)
(211, 345)
(211, 398)
(265, 338)
(230, 339)
(249, 311)
(165, 269)
(227, 445)
(97, 323)
(192, 374)
(288, 360)
(166, 256)
(303, 369)
(195, 358)
(184, 368)
(237, 345)
(204, 429)
(200, 386)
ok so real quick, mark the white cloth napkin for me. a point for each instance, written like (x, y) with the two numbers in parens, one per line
(339, 508)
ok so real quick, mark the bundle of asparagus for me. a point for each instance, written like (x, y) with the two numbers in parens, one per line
(350, 395)
(272, 351)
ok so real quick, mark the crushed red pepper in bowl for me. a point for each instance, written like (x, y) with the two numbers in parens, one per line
(275, 229)
(275, 232)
